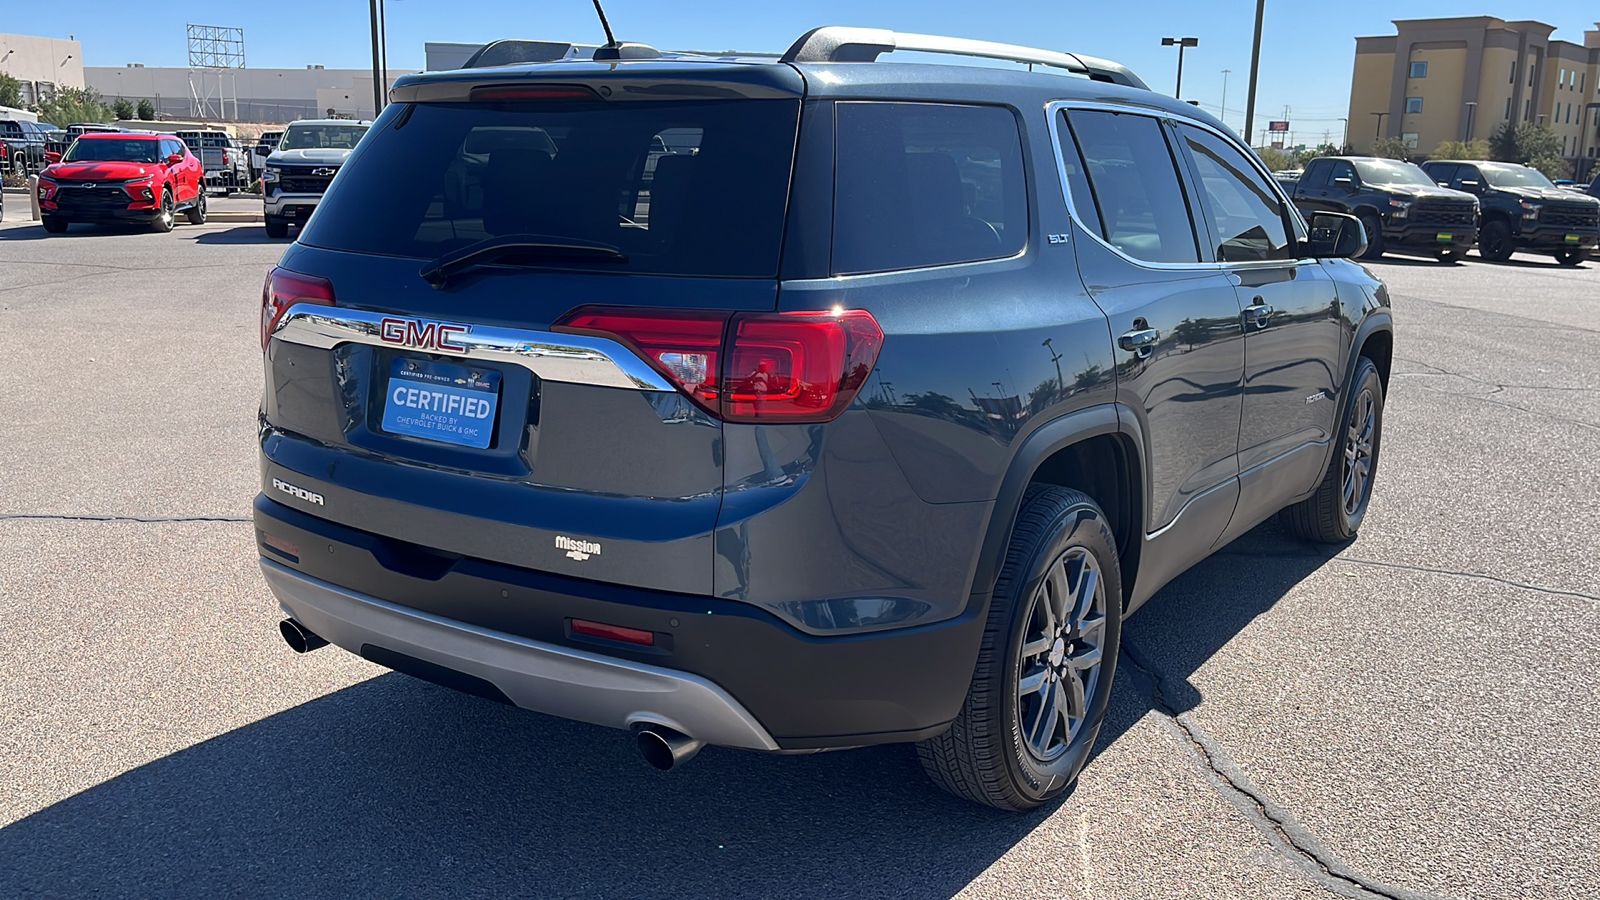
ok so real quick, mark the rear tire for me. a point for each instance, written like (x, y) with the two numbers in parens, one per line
(1494, 241)
(1043, 677)
(197, 212)
(1334, 513)
(1374, 230)
(52, 224)
(276, 227)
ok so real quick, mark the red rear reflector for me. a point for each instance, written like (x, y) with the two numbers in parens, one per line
(749, 367)
(287, 548)
(532, 93)
(284, 289)
(613, 632)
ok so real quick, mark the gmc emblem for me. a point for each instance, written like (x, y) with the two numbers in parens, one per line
(422, 335)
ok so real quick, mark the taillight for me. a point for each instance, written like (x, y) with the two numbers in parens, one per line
(284, 289)
(749, 367)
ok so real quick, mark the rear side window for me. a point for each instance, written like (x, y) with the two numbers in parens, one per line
(1442, 173)
(1135, 199)
(680, 188)
(1246, 217)
(926, 184)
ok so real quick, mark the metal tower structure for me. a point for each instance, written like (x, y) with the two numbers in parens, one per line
(214, 52)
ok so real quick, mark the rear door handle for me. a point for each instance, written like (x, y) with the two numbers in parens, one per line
(1259, 313)
(1141, 342)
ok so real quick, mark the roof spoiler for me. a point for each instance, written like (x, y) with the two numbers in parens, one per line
(835, 43)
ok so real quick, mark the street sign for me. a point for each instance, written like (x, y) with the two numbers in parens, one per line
(1278, 126)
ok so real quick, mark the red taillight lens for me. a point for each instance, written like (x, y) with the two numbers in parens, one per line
(283, 290)
(686, 346)
(750, 367)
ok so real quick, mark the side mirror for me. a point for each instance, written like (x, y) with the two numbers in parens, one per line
(1337, 236)
(174, 159)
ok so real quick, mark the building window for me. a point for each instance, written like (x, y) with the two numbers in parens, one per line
(1563, 78)
(1527, 109)
(1410, 139)
(1413, 105)
(1508, 109)
(1513, 72)
(1419, 70)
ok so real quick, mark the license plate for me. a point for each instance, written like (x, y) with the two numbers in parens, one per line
(444, 402)
(1444, 236)
(1574, 238)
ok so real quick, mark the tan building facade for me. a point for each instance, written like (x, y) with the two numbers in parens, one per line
(43, 65)
(1439, 80)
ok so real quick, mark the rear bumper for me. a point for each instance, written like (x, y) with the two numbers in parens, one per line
(714, 663)
(561, 681)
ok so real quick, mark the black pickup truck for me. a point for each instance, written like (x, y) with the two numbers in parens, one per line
(1400, 205)
(1523, 210)
(21, 147)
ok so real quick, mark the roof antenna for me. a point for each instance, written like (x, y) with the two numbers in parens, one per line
(611, 41)
(614, 51)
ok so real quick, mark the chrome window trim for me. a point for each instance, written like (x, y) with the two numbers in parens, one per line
(1160, 115)
(567, 358)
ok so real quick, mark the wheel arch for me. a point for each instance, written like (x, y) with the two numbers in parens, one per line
(1098, 451)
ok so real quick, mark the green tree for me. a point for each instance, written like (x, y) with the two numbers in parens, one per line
(122, 109)
(10, 91)
(147, 111)
(1532, 145)
(1391, 148)
(1275, 160)
(1474, 149)
(74, 105)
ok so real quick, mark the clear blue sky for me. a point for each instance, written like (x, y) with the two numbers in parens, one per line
(1307, 54)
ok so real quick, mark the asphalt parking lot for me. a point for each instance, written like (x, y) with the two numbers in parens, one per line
(1412, 716)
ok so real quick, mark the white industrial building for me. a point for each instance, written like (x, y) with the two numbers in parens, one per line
(241, 95)
(42, 64)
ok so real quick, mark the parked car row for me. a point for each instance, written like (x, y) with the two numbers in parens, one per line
(1445, 207)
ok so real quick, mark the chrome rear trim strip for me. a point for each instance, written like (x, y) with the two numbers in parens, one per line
(569, 358)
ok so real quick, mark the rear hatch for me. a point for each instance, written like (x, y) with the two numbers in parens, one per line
(656, 187)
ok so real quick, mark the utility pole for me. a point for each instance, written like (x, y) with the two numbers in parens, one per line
(1344, 141)
(1224, 115)
(1255, 72)
(377, 63)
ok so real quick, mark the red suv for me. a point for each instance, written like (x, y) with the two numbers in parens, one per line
(123, 177)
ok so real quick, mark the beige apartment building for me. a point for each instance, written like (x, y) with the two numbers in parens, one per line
(1455, 79)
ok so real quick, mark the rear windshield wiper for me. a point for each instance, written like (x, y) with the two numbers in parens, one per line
(532, 248)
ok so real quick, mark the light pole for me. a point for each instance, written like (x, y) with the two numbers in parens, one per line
(1255, 70)
(1180, 43)
(1345, 140)
(1472, 107)
(1224, 115)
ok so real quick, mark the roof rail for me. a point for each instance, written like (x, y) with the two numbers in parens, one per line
(835, 43)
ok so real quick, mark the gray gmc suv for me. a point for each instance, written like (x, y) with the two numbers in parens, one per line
(801, 403)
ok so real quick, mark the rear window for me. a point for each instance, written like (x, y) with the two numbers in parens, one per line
(680, 188)
(926, 184)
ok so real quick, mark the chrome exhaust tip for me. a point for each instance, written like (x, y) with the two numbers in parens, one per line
(665, 748)
(300, 638)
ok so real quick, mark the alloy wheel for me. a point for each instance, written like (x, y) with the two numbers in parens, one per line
(1062, 651)
(166, 211)
(1359, 433)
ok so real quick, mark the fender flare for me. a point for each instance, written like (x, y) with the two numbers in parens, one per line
(1039, 445)
(1374, 322)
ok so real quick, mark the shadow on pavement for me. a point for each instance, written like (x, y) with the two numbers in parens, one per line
(1199, 612)
(395, 787)
(254, 233)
